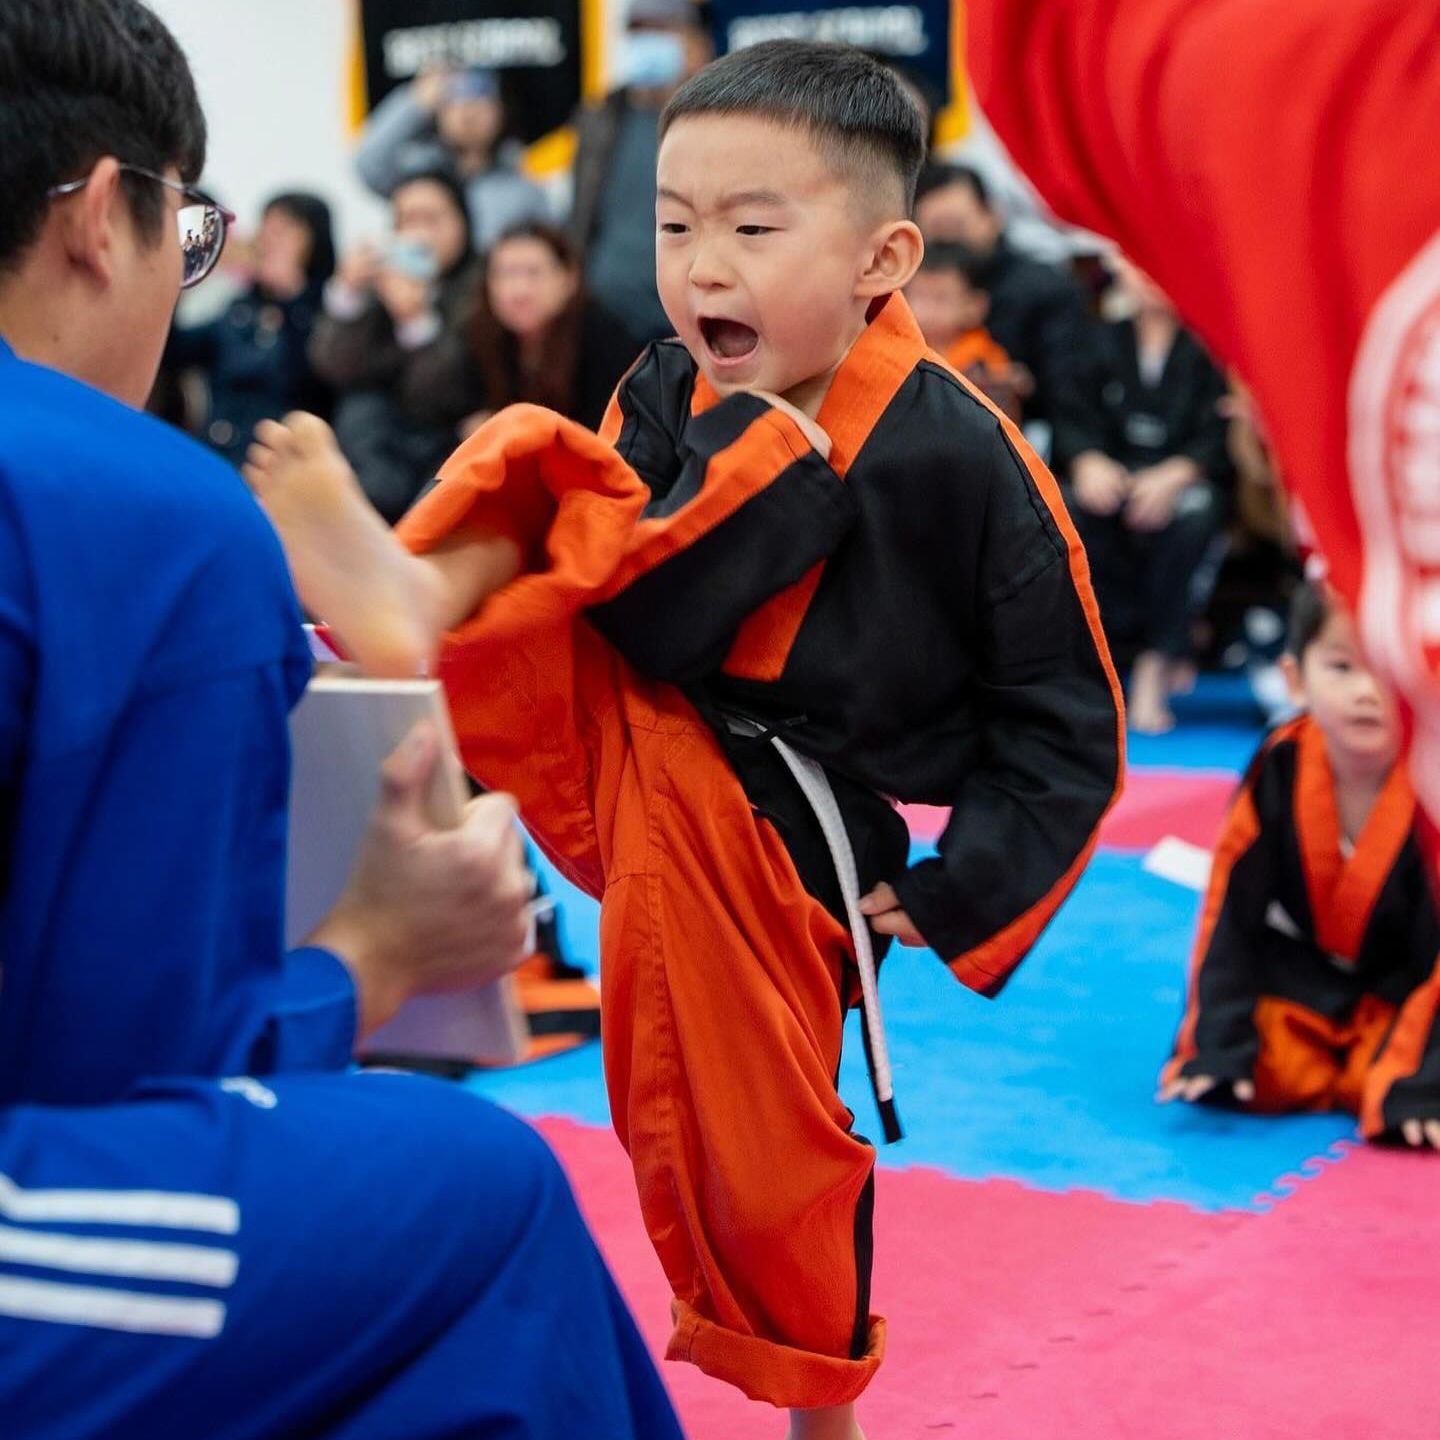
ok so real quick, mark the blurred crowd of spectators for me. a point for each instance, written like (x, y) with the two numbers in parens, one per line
(493, 288)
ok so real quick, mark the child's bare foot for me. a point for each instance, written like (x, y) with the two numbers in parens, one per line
(349, 569)
(835, 1422)
(1149, 702)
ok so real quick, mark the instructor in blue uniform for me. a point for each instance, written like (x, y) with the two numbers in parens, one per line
(208, 1228)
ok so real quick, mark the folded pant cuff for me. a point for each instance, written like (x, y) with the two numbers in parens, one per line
(766, 1370)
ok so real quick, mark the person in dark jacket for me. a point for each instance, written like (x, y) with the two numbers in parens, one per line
(612, 219)
(1142, 440)
(537, 336)
(254, 356)
(385, 343)
(1037, 311)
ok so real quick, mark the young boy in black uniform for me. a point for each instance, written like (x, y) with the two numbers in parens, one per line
(1319, 923)
(803, 569)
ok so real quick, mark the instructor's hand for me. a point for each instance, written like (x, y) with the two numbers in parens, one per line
(882, 905)
(429, 910)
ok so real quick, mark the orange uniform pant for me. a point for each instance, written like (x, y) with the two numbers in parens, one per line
(721, 995)
(1310, 1063)
(722, 980)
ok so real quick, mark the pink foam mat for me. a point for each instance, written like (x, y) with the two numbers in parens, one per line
(1156, 803)
(1020, 1315)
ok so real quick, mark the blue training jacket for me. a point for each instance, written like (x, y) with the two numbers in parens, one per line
(150, 652)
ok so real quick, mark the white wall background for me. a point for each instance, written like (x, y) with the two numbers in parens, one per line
(272, 78)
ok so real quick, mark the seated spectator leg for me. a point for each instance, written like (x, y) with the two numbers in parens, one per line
(1167, 562)
(1301, 1058)
(1172, 557)
(379, 1255)
(1114, 570)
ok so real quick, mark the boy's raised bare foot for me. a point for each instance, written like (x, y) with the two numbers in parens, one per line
(349, 569)
(836, 1422)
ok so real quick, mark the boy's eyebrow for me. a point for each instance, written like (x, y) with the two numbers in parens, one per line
(752, 197)
(733, 201)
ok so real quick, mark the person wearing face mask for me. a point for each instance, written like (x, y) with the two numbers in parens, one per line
(385, 342)
(449, 119)
(254, 356)
(612, 221)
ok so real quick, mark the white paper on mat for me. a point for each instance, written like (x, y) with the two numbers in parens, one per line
(1179, 861)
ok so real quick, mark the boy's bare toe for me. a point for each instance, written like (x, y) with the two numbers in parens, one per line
(271, 434)
(308, 435)
(256, 469)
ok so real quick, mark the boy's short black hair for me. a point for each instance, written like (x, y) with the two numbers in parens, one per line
(81, 79)
(950, 256)
(1310, 607)
(938, 175)
(855, 108)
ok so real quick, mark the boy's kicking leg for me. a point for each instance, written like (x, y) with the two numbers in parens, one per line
(722, 988)
(833, 1423)
(388, 607)
(722, 981)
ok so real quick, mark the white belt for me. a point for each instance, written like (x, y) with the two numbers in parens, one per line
(815, 785)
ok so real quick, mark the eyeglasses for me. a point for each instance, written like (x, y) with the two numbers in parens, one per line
(202, 222)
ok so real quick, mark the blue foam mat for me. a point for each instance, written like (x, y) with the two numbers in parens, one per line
(1051, 1084)
(1209, 746)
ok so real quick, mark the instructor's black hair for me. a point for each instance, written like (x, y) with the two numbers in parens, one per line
(79, 80)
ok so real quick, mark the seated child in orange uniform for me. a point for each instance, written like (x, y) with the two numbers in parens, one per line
(1318, 924)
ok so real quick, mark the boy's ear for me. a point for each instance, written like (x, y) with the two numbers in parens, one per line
(1294, 683)
(896, 250)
